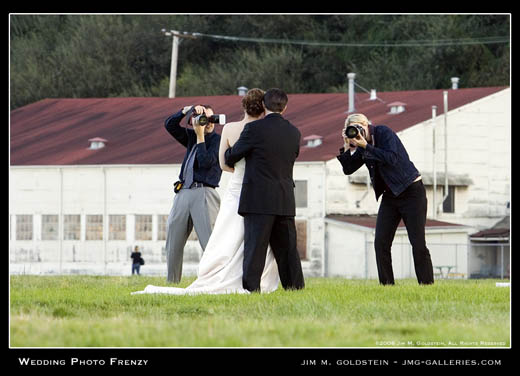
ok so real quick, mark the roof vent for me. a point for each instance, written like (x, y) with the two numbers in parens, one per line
(454, 83)
(396, 107)
(97, 143)
(242, 90)
(373, 95)
(313, 140)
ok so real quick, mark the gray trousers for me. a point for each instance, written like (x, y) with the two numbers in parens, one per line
(196, 207)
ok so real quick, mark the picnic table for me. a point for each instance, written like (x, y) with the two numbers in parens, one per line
(441, 269)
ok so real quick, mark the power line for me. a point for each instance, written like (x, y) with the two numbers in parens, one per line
(409, 43)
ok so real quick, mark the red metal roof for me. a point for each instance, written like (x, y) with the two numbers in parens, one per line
(56, 131)
(492, 233)
(501, 229)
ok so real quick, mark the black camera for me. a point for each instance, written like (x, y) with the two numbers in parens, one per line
(204, 120)
(352, 131)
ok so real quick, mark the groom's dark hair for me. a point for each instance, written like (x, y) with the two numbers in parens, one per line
(275, 100)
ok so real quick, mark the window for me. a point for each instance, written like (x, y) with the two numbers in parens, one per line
(50, 227)
(24, 227)
(161, 231)
(300, 193)
(71, 226)
(117, 227)
(143, 227)
(448, 206)
(94, 227)
(301, 242)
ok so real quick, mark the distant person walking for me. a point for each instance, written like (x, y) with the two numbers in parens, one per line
(137, 260)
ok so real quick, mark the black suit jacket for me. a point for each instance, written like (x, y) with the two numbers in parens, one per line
(270, 147)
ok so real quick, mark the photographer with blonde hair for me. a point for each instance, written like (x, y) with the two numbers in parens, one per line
(394, 177)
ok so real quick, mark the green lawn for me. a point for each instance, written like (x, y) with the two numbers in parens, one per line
(85, 311)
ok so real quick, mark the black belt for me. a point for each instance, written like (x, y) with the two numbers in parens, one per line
(197, 184)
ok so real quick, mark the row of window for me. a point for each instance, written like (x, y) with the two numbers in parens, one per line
(116, 225)
(116, 228)
(93, 227)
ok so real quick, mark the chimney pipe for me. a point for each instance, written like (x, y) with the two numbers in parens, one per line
(351, 106)
(454, 83)
(373, 95)
(242, 90)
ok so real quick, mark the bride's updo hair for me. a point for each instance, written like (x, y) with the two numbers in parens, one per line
(252, 102)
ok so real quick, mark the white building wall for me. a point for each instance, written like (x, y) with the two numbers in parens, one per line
(347, 252)
(127, 190)
(479, 145)
(314, 213)
(80, 190)
(343, 195)
(350, 251)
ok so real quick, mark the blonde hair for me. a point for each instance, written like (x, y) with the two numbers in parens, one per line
(356, 118)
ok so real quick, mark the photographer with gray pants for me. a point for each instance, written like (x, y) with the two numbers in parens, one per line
(197, 202)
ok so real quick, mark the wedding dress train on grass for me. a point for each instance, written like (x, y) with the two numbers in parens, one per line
(220, 268)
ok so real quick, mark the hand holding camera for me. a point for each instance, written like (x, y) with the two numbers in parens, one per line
(354, 136)
(199, 121)
(199, 116)
(202, 119)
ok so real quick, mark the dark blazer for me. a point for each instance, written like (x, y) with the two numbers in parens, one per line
(206, 168)
(270, 147)
(386, 159)
(136, 256)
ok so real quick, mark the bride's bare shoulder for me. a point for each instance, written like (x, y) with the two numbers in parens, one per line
(233, 127)
(233, 124)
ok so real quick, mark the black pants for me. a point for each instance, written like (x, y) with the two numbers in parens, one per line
(411, 206)
(280, 232)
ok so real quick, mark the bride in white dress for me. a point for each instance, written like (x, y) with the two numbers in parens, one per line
(220, 268)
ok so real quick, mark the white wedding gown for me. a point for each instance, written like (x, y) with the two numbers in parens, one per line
(220, 268)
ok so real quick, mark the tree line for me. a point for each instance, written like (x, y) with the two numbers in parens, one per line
(77, 56)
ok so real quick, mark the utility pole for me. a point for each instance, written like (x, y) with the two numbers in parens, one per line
(175, 54)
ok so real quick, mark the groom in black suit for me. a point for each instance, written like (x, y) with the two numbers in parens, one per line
(270, 146)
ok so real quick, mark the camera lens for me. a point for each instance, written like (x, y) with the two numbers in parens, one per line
(351, 131)
(201, 120)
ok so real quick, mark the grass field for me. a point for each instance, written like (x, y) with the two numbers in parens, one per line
(85, 311)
